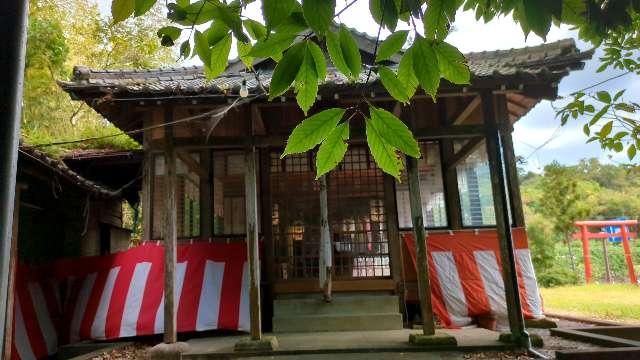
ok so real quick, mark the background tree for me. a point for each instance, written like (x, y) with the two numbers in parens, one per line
(63, 33)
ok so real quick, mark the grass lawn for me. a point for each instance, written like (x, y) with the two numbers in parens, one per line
(619, 302)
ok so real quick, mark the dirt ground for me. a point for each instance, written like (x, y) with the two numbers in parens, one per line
(551, 345)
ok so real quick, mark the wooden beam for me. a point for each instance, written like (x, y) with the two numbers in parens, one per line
(326, 250)
(503, 228)
(466, 112)
(257, 121)
(170, 233)
(449, 176)
(251, 206)
(464, 152)
(422, 265)
(395, 243)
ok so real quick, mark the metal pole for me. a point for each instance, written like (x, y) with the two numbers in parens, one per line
(13, 22)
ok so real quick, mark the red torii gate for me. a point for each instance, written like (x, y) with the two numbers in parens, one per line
(585, 235)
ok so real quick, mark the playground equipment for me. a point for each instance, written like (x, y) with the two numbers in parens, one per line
(623, 233)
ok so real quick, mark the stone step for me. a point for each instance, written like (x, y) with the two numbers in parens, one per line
(343, 322)
(340, 305)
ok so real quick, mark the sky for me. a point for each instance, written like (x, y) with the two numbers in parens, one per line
(566, 144)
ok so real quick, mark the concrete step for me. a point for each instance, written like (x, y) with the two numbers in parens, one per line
(342, 322)
(340, 305)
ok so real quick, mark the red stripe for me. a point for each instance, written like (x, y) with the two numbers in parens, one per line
(152, 295)
(229, 312)
(118, 299)
(92, 305)
(191, 289)
(14, 350)
(472, 284)
(36, 338)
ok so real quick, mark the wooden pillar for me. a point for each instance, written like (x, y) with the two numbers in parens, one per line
(13, 261)
(511, 164)
(170, 232)
(206, 192)
(422, 266)
(147, 185)
(503, 228)
(326, 250)
(251, 199)
(395, 243)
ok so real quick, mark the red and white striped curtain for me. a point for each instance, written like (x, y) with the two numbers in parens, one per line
(121, 295)
(466, 278)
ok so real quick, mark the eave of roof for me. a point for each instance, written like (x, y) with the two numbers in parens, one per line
(543, 63)
(59, 167)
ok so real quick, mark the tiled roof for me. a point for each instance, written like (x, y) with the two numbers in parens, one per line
(59, 167)
(547, 62)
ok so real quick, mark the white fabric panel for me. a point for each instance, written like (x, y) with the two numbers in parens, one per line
(20, 338)
(530, 282)
(44, 318)
(209, 305)
(451, 288)
(244, 321)
(99, 322)
(181, 268)
(81, 305)
(134, 299)
(493, 285)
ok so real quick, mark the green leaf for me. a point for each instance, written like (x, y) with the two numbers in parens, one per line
(230, 16)
(439, 15)
(274, 45)
(631, 151)
(142, 6)
(219, 57)
(243, 51)
(312, 131)
(350, 51)
(168, 35)
(598, 115)
(383, 153)
(391, 45)
(294, 24)
(318, 14)
(185, 49)
(452, 64)
(586, 130)
(306, 84)
(393, 131)
(335, 53)
(425, 66)
(121, 9)
(394, 86)
(406, 74)
(332, 150)
(216, 32)
(286, 70)
(605, 130)
(384, 12)
(276, 11)
(603, 96)
(256, 30)
(202, 47)
(538, 15)
(319, 60)
(618, 95)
